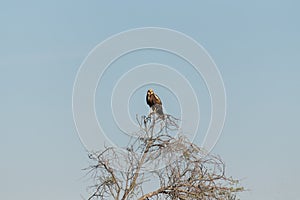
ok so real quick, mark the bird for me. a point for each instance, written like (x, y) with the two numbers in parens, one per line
(154, 102)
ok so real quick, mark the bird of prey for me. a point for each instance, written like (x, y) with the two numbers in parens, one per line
(154, 102)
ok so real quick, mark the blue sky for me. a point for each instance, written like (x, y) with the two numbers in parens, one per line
(255, 45)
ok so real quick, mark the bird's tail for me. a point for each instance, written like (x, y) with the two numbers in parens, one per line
(159, 110)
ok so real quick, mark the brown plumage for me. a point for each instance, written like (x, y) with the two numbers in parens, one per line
(152, 98)
(154, 102)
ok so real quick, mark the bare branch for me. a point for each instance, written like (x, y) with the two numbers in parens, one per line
(189, 173)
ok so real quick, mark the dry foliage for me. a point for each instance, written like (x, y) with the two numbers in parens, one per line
(179, 169)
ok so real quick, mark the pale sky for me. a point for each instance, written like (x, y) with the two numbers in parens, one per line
(255, 45)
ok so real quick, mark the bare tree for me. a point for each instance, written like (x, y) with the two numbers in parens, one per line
(162, 156)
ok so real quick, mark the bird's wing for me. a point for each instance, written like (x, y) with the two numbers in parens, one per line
(157, 99)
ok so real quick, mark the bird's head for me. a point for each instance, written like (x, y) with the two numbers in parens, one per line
(150, 91)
